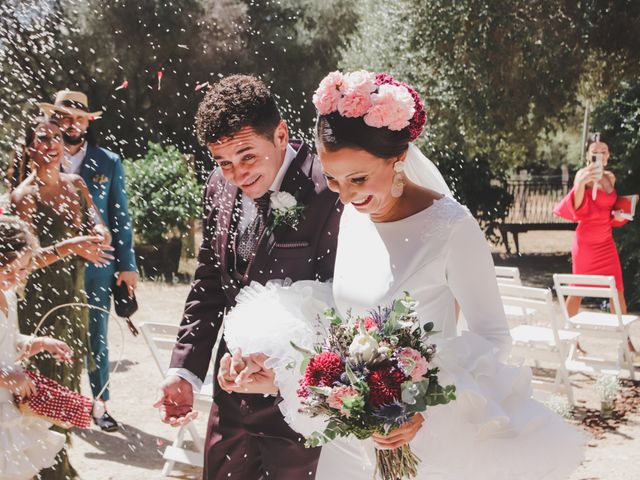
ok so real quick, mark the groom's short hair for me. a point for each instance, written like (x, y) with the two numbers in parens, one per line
(233, 103)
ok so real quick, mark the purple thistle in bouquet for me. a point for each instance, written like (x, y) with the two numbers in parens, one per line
(371, 375)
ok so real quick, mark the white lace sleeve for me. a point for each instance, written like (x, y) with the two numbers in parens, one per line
(471, 278)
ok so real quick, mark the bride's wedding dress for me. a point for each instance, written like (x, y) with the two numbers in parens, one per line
(494, 430)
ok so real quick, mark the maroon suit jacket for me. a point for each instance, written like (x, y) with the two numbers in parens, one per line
(306, 253)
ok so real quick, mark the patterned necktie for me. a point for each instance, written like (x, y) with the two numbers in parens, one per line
(248, 241)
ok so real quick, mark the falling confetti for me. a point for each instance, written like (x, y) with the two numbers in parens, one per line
(123, 85)
(160, 75)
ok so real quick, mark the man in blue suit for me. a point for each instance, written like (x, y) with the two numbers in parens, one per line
(103, 173)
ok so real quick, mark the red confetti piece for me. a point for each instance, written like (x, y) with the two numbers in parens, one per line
(160, 74)
(159, 442)
(124, 84)
(200, 86)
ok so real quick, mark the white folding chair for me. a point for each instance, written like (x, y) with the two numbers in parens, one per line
(161, 338)
(511, 276)
(508, 275)
(537, 337)
(598, 325)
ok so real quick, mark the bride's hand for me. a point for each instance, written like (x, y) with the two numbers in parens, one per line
(399, 436)
(255, 377)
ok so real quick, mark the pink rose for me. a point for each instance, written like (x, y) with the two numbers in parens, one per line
(393, 107)
(412, 363)
(329, 93)
(337, 393)
(369, 324)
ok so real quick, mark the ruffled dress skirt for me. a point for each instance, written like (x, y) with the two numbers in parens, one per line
(494, 430)
(26, 443)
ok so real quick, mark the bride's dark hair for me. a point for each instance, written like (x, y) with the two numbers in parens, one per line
(334, 132)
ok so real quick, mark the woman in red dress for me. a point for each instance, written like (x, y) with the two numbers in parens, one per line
(593, 251)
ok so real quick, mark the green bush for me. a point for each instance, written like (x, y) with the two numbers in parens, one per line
(477, 184)
(618, 119)
(164, 195)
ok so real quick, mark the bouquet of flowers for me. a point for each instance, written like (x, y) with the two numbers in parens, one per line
(372, 375)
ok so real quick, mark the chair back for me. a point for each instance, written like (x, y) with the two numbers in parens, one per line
(595, 286)
(530, 298)
(160, 338)
(508, 275)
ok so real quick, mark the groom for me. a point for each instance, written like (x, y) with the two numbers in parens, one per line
(239, 122)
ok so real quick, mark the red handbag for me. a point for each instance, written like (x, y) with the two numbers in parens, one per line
(56, 404)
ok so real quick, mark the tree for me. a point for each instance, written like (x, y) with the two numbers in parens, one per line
(293, 44)
(499, 78)
(94, 46)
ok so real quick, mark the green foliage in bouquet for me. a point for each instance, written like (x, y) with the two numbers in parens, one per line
(164, 195)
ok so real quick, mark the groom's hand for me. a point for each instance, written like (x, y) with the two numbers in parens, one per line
(175, 401)
(230, 368)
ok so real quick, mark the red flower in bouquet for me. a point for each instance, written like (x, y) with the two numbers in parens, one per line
(385, 385)
(323, 370)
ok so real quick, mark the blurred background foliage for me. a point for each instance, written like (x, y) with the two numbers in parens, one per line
(503, 78)
(505, 82)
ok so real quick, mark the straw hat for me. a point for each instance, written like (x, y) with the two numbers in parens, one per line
(70, 103)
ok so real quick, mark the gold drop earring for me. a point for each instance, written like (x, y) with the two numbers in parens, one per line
(397, 187)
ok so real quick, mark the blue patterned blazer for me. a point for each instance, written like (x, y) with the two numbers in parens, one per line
(103, 173)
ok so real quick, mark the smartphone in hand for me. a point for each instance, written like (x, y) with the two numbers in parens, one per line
(596, 159)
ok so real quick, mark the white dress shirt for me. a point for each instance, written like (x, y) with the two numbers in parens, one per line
(73, 163)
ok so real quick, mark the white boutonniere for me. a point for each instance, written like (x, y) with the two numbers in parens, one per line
(100, 179)
(285, 210)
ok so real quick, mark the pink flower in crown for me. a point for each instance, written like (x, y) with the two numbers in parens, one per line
(393, 107)
(337, 393)
(357, 88)
(412, 363)
(329, 93)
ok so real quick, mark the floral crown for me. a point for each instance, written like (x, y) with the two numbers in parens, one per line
(381, 100)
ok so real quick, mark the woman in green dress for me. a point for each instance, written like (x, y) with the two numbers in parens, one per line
(71, 232)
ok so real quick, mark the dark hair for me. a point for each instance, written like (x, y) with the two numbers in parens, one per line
(233, 103)
(20, 163)
(17, 238)
(333, 132)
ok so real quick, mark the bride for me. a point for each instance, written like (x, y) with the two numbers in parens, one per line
(401, 230)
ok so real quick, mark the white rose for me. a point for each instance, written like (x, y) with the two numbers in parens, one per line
(283, 201)
(365, 346)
